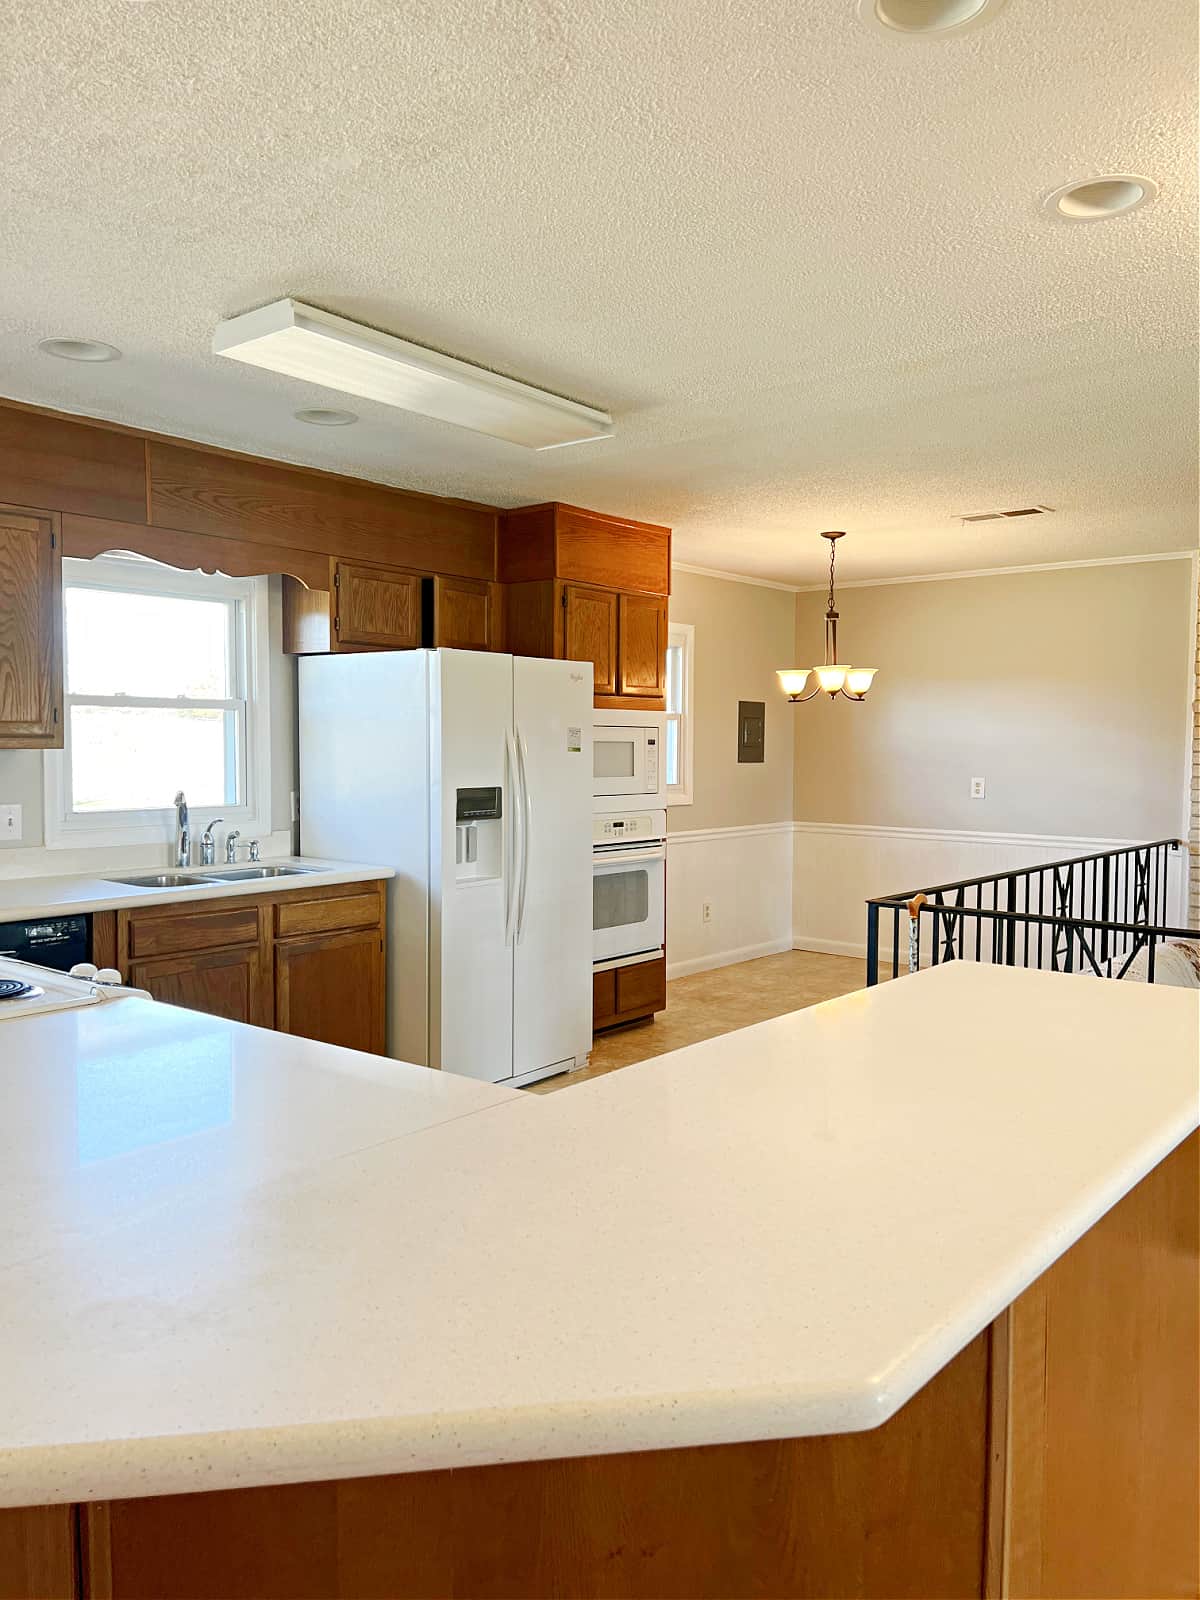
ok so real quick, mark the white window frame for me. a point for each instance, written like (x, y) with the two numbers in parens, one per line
(682, 635)
(68, 830)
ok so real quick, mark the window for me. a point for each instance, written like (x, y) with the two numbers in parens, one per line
(680, 640)
(164, 690)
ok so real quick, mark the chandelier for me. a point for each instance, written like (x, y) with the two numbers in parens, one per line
(834, 677)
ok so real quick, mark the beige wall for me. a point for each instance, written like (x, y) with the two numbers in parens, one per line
(744, 633)
(1067, 691)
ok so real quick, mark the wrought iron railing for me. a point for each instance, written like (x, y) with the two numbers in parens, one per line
(1094, 913)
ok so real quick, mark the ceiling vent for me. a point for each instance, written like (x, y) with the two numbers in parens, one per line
(998, 516)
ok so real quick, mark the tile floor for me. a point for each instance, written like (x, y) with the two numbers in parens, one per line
(719, 1001)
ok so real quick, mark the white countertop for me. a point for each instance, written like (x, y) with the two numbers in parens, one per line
(783, 1231)
(77, 893)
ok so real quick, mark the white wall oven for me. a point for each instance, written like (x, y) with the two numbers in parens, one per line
(629, 886)
(627, 759)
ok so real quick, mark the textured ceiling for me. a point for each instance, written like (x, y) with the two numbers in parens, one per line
(804, 263)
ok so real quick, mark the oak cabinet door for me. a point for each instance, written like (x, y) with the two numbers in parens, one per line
(331, 987)
(30, 633)
(590, 632)
(462, 614)
(642, 655)
(222, 983)
(377, 606)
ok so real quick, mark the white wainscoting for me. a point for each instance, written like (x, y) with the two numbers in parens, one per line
(839, 866)
(745, 874)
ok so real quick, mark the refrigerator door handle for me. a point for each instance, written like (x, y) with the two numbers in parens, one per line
(512, 870)
(526, 822)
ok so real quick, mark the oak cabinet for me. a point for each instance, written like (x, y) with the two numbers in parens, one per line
(222, 983)
(584, 587)
(590, 632)
(642, 645)
(330, 987)
(311, 962)
(377, 606)
(364, 608)
(31, 716)
(464, 614)
(629, 994)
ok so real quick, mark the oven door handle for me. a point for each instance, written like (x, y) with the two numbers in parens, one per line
(621, 858)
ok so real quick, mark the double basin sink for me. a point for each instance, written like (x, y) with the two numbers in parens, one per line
(192, 880)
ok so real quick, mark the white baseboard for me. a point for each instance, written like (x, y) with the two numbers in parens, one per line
(726, 958)
(831, 947)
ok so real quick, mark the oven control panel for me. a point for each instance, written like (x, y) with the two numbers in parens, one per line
(629, 827)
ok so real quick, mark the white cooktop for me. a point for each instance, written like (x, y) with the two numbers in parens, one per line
(58, 991)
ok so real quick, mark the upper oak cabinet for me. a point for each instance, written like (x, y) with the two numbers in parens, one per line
(369, 607)
(586, 587)
(30, 631)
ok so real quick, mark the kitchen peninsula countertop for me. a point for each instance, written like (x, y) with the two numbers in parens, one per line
(78, 893)
(780, 1232)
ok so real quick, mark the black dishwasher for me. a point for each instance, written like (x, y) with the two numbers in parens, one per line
(57, 942)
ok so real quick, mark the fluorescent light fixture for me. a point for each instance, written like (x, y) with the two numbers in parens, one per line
(302, 342)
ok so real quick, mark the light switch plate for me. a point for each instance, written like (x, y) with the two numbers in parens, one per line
(10, 824)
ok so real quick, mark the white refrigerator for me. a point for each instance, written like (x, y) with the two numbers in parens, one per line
(470, 775)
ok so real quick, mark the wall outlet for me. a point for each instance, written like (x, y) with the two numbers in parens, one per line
(10, 824)
(978, 789)
(706, 911)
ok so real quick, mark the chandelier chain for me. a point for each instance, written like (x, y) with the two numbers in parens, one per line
(832, 558)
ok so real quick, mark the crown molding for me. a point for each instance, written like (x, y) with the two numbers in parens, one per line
(998, 572)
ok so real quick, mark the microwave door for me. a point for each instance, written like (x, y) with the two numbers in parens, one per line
(619, 761)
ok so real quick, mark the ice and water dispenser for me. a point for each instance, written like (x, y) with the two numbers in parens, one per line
(479, 843)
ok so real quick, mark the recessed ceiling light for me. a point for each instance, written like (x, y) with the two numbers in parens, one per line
(304, 342)
(79, 350)
(927, 19)
(1095, 199)
(326, 419)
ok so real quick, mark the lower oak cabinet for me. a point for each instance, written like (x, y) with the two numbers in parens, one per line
(628, 994)
(331, 987)
(304, 961)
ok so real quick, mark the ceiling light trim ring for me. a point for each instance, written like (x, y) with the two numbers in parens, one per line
(948, 19)
(1130, 192)
(94, 351)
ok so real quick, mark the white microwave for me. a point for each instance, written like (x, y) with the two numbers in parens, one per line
(627, 759)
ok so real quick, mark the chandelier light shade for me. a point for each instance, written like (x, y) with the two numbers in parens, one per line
(833, 676)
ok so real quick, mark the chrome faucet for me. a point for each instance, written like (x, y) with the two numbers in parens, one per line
(231, 840)
(183, 836)
(208, 843)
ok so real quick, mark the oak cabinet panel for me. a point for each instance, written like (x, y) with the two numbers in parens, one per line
(30, 632)
(222, 983)
(179, 929)
(377, 606)
(642, 988)
(331, 987)
(590, 632)
(462, 614)
(629, 994)
(642, 635)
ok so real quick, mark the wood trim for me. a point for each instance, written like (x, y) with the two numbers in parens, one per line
(274, 504)
(630, 702)
(87, 537)
(38, 1555)
(995, 1555)
(95, 1550)
(1105, 1403)
(150, 436)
